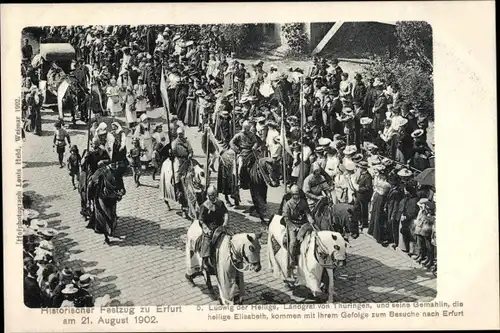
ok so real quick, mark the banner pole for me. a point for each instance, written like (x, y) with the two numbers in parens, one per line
(283, 144)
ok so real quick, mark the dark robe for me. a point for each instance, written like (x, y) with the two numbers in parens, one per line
(105, 189)
(181, 105)
(369, 102)
(359, 94)
(212, 219)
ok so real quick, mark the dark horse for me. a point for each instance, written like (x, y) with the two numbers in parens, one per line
(75, 100)
(105, 189)
(259, 174)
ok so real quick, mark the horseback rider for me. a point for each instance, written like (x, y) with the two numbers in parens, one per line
(296, 213)
(213, 214)
(182, 153)
(316, 185)
(244, 143)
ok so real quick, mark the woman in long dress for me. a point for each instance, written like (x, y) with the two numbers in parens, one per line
(143, 133)
(141, 101)
(182, 93)
(378, 216)
(190, 117)
(129, 104)
(113, 106)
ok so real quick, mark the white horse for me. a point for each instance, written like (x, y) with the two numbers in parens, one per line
(319, 251)
(234, 254)
(193, 182)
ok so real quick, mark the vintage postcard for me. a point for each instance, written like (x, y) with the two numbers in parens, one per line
(259, 166)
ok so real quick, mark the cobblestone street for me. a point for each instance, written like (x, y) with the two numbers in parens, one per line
(148, 266)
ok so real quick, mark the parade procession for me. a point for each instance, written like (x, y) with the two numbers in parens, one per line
(269, 172)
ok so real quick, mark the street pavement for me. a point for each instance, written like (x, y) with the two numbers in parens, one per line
(148, 266)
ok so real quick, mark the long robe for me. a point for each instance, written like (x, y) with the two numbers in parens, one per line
(105, 189)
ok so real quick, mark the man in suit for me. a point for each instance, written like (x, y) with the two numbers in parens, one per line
(363, 194)
(32, 291)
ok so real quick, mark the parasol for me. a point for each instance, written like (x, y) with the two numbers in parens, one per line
(426, 177)
(37, 61)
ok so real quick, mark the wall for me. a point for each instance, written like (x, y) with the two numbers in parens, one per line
(360, 40)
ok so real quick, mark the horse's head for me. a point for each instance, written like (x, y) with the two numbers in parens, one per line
(247, 246)
(271, 170)
(331, 248)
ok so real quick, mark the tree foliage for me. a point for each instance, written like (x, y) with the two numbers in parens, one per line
(416, 84)
(232, 37)
(415, 42)
(411, 67)
(296, 37)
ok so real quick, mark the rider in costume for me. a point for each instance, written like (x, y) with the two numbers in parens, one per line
(213, 214)
(315, 186)
(182, 152)
(244, 143)
(296, 213)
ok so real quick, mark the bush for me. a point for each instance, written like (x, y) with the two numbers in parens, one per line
(417, 87)
(232, 37)
(296, 37)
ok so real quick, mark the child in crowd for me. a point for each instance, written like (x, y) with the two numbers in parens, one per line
(156, 159)
(60, 137)
(74, 161)
(135, 160)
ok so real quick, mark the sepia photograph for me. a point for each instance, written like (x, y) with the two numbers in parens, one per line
(220, 164)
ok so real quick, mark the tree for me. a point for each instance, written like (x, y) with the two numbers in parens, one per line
(415, 42)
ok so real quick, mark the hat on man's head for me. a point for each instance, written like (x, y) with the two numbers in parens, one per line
(67, 273)
(85, 280)
(417, 133)
(349, 150)
(48, 233)
(46, 246)
(405, 173)
(37, 224)
(374, 160)
(69, 290)
(365, 121)
(324, 141)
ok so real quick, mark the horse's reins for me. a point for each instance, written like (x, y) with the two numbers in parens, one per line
(231, 250)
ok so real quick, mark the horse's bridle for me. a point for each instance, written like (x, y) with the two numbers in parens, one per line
(245, 261)
(321, 250)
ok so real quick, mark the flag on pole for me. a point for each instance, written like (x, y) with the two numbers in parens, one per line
(284, 141)
(61, 91)
(161, 112)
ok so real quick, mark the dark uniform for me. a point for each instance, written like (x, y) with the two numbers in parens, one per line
(212, 219)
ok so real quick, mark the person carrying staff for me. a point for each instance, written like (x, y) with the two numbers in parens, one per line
(182, 153)
(244, 143)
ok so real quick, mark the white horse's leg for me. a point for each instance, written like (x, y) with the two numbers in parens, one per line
(331, 285)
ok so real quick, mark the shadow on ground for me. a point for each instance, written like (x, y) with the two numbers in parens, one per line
(139, 231)
(65, 247)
